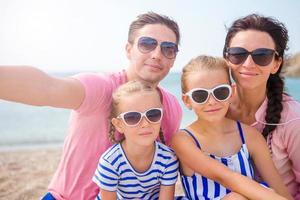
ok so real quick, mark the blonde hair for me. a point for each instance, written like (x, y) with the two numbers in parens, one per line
(131, 87)
(200, 63)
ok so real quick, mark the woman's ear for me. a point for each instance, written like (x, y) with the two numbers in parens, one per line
(276, 66)
(233, 92)
(186, 101)
(118, 124)
(233, 89)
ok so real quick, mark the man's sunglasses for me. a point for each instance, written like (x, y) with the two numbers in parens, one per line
(261, 56)
(133, 118)
(147, 44)
(201, 95)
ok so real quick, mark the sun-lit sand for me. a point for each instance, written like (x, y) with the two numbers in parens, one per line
(25, 174)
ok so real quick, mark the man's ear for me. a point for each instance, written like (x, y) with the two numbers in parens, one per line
(118, 124)
(187, 102)
(128, 49)
(276, 66)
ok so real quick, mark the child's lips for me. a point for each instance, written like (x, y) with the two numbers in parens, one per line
(146, 133)
(213, 110)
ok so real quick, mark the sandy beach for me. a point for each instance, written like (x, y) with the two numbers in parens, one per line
(26, 173)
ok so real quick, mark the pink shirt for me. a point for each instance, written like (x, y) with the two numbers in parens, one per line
(87, 136)
(285, 143)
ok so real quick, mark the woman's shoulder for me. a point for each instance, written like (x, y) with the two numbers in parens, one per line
(291, 107)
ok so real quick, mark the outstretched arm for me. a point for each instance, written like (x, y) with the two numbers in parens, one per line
(260, 154)
(195, 159)
(32, 86)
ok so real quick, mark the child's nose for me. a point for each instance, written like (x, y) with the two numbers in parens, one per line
(144, 121)
(211, 99)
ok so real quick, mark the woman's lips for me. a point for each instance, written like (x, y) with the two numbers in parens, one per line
(249, 74)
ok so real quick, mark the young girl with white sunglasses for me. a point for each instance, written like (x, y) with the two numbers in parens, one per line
(137, 166)
(215, 152)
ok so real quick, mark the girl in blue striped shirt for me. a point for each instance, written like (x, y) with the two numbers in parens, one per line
(137, 166)
(215, 151)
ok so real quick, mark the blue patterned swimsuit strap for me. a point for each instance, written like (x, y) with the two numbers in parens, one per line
(241, 131)
(192, 135)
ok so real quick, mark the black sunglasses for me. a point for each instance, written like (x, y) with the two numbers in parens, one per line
(147, 44)
(201, 95)
(133, 118)
(261, 56)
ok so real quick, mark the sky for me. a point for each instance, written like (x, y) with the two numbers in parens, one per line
(90, 35)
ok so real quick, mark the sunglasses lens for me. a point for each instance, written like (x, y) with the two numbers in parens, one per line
(200, 96)
(237, 55)
(169, 49)
(154, 115)
(132, 118)
(146, 44)
(263, 56)
(222, 93)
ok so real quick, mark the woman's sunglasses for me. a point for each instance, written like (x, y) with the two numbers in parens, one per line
(133, 118)
(261, 56)
(147, 44)
(201, 95)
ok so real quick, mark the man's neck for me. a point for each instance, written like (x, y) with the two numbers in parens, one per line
(131, 76)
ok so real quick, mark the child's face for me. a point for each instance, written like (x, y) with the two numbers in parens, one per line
(211, 109)
(145, 132)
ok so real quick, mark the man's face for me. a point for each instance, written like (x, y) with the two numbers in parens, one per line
(152, 66)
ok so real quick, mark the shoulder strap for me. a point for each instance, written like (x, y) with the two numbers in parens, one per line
(194, 138)
(241, 131)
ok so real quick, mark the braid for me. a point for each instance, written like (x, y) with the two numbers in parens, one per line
(161, 136)
(111, 133)
(275, 86)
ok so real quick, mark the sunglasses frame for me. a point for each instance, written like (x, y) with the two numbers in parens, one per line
(143, 115)
(210, 92)
(252, 53)
(162, 46)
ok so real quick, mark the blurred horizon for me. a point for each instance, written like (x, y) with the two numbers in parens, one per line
(73, 35)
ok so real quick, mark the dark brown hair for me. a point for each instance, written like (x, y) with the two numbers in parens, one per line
(152, 18)
(275, 84)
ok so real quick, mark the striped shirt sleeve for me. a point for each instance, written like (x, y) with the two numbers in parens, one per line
(171, 171)
(106, 177)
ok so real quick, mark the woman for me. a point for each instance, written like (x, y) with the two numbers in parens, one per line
(260, 100)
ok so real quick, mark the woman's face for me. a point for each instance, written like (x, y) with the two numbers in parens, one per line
(249, 74)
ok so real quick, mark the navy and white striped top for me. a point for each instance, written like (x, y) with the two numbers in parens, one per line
(115, 173)
(200, 187)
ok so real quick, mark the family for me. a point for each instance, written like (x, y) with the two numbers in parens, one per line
(124, 139)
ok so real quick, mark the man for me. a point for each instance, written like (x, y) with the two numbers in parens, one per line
(151, 49)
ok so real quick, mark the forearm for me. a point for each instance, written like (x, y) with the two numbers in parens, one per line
(32, 86)
(22, 84)
(166, 192)
(249, 188)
